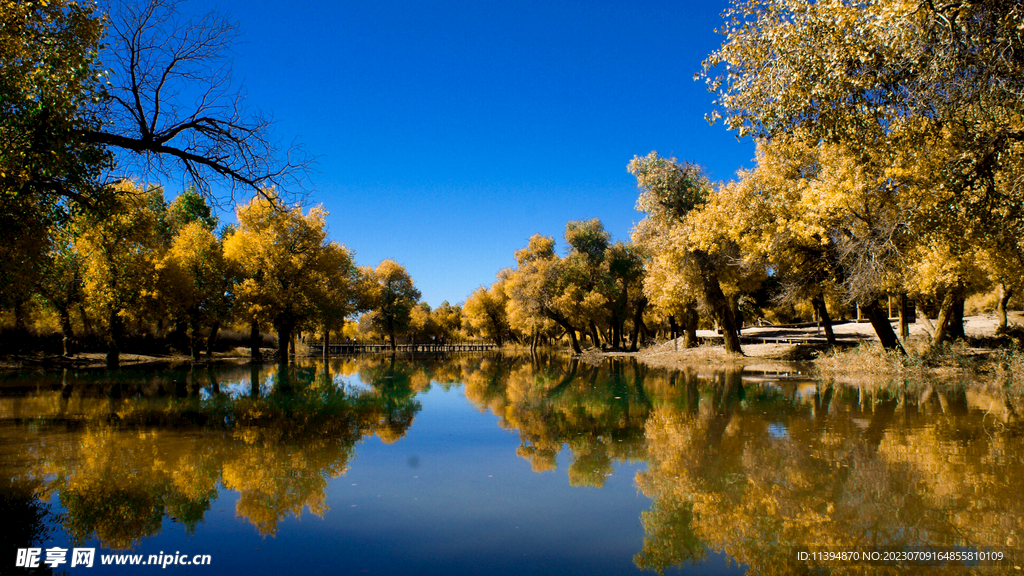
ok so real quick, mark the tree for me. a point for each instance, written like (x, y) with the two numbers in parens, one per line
(392, 298)
(691, 262)
(421, 324)
(925, 99)
(48, 81)
(626, 271)
(198, 282)
(485, 312)
(448, 319)
(171, 103)
(586, 270)
(60, 281)
(161, 93)
(280, 254)
(190, 206)
(537, 288)
(789, 215)
(857, 71)
(338, 292)
(120, 247)
(1005, 264)
(522, 316)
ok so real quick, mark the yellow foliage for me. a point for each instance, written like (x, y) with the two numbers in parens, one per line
(122, 255)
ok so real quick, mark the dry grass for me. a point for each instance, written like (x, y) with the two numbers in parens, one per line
(952, 363)
(706, 357)
(1008, 369)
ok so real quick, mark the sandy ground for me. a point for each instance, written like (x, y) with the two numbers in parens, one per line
(781, 356)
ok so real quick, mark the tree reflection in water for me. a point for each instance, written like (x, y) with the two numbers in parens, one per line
(159, 446)
(754, 469)
(747, 466)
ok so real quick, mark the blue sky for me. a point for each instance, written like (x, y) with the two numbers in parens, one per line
(450, 132)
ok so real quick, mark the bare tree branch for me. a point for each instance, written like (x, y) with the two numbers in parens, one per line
(174, 108)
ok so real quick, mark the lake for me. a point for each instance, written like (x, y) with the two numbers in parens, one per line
(501, 465)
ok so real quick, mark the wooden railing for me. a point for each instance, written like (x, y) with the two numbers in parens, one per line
(341, 348)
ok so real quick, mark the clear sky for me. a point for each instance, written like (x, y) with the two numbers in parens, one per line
(448, 132)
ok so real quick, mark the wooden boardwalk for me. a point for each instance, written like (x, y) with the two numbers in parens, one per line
(718, 339)
(342, 348)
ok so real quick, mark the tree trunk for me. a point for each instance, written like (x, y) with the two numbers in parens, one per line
(114, 344)
(645, 331)
(880, 322)
(904, 325)
(616, 333)
(1004, 300)
(211, 339)
(86, 322)
(284, 339)
(690, 321)
(595, 334)
(956, 321)
(826, 322)
(254, 341)
(574, 343)
(561, 321)
(180, 337)
(193, 341)
(638, 323)
(66, 330)
(730, 332)
(946, 312)
(719, 303)
(673, 330)
(734, 305)
(926, 322)
(20, 324)
(327, 343)
(392, 341)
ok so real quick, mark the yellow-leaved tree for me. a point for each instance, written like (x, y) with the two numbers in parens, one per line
(391, 295)
(687, 263)
(923, 106)
(339, 291)
(121, 248)
(448, 320)
(290, 274)
(197, 282)
(485, 312)
(537, 288)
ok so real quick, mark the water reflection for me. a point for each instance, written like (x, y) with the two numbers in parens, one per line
(744, 465)
(852, 469)
(755, 467)
(599, 413)
(121, 454)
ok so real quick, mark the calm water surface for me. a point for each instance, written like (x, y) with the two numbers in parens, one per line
(499, 465)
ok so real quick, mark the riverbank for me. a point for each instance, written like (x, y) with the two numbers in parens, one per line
(38, 360)
(983, 358)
